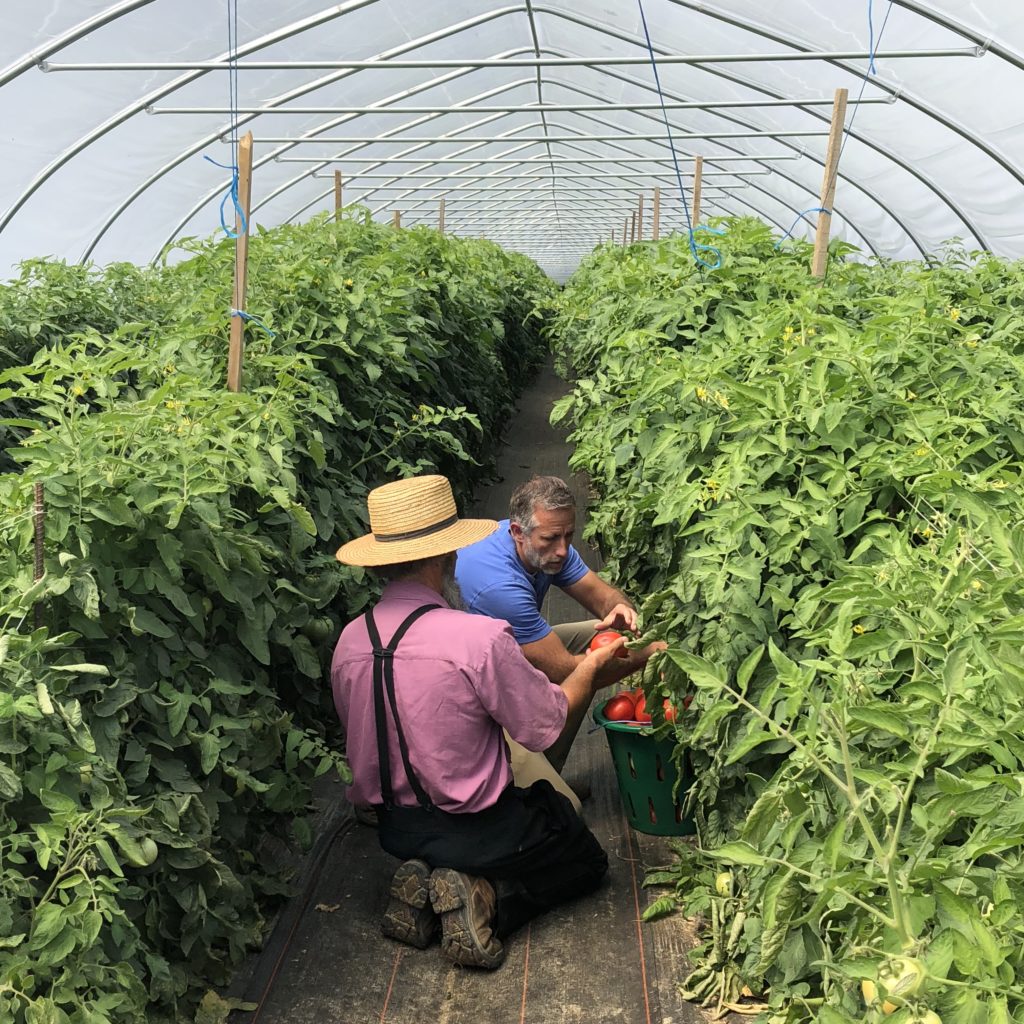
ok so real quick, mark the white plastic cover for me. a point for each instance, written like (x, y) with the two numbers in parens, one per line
(93, 170)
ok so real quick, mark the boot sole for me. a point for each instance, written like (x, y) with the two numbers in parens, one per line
(409, 917)
(459, 941)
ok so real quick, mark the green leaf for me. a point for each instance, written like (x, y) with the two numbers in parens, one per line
(738, 853)
(144, 621)
(877, 718)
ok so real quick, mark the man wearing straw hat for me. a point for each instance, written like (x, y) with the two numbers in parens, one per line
(424, 691)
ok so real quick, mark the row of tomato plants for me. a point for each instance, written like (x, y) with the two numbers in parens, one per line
(817, 487)
(161, 725)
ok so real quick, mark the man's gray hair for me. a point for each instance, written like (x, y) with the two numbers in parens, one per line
(551, 493)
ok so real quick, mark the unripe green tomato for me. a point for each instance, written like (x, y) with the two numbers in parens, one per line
(149, 851)
(902, 976)
(723, 883)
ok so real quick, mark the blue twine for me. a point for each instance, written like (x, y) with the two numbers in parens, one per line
(872, 70)
(695, 248)
(873, 46)
(232, 192)
(799, 217)
(251, 318)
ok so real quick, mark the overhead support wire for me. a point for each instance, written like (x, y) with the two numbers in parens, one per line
(399, 64)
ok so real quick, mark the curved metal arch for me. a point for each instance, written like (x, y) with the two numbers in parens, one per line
(292, 94)
(758, 87)
(72, 35)
(451, 30)
(414, 148)
(583, 160)
(607, 30)
(902, 94)
(290, 30)
(795, 181)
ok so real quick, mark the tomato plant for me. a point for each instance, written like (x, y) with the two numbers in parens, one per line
(168, 714)
(818, 486)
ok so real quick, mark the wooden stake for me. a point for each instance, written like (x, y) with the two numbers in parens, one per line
(625, 231)
(337, 195)
(236, 345)
(656, 214)
(640, 219)
(440, 215)
(632, 227)
(396, 218)
(698, 171)
(828, 184)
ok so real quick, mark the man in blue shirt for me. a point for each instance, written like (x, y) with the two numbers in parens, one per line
(508, 574)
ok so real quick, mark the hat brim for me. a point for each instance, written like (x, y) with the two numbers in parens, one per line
(369, 552)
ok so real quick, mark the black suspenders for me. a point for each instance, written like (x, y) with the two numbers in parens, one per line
(384, 677)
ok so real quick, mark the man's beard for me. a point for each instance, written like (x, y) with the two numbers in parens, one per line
(535, 564)
(450, 589)
(452, 592)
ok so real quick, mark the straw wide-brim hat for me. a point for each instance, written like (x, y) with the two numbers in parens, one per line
(411, 519)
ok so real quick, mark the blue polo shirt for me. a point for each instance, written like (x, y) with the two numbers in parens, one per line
(495, 582)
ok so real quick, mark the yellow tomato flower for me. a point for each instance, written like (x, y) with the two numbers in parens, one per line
(921, 452)
(787, 333)
(349, 282)
(811, 332)
(721, 400)
(910, 395)
(78, 390)
(976, 584)
(953, 313)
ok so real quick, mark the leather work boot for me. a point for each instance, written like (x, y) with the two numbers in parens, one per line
(466, 905)
(408, 916)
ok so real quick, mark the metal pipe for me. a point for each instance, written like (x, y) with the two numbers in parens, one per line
(556, 176)
(352, 158)
(666, 161)
(356, 140)
(508, 62)
(526, 108)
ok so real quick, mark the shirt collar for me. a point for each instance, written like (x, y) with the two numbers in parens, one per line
(418, 593)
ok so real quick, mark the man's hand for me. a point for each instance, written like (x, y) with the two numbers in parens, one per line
(618, 668)
(622, 616)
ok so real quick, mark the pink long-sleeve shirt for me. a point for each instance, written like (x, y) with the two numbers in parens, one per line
(459, 679)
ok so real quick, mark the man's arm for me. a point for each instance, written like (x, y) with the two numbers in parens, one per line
(551, 657)
(603, 601)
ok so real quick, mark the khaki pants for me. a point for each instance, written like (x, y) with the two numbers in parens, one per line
(528, 766)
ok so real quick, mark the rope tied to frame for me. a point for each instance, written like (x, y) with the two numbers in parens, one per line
(232, 192)
(252, 318)
(695, 248)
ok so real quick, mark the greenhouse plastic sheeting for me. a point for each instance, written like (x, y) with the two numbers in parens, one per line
(96, 168)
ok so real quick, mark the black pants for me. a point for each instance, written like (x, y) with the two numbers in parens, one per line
(531, 845)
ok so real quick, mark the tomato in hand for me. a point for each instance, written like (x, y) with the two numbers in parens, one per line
(604, 638)
(620, 708)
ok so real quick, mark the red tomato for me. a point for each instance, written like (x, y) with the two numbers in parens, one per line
(671, 711)
(604, 638)
(619, 708)
(641, 714)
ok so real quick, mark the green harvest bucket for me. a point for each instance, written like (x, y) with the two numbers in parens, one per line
(647, 776)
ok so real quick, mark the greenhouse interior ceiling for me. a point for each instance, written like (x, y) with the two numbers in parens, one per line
(548, 127)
